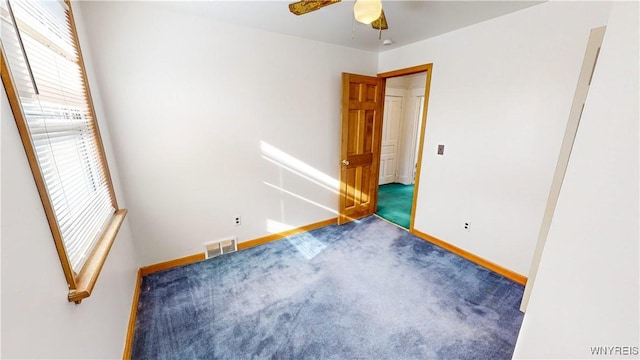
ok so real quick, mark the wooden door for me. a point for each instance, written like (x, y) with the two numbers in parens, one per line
(391, 120)
(362, 102)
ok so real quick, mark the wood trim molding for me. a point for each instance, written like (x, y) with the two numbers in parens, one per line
(88, 276)
(146, 270)
(80, 285)
(126, 354)
(143, 271)
(423, 130)
(520, 279)
(273, 237)
(16, 108)
(150, 269)
(406, 71)
(428, 69)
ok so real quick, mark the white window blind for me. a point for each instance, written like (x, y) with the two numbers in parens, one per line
(46, 69)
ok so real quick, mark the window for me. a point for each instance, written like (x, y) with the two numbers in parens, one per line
(43, 74)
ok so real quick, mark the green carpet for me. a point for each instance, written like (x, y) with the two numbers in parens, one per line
(394, 203)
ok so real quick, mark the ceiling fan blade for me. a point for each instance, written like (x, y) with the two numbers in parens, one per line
(380, 23)
(306, 6)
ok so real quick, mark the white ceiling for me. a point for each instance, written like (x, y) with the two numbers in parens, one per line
(409, 21)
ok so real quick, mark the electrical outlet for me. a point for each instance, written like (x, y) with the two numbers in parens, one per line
(467, 226)
(237, 220)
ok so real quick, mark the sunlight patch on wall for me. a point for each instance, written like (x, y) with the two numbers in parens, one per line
(298, 167)
(274, 227)
(333, 211)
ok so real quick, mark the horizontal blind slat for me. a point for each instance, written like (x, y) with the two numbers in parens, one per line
(59, 120)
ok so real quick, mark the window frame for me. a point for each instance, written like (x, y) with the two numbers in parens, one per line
(81, 284)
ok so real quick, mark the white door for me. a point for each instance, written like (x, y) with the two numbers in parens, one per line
(392, 118)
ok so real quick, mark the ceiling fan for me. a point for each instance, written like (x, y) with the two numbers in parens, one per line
(364, 11)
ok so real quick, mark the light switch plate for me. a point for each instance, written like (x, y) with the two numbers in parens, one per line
(440, 149)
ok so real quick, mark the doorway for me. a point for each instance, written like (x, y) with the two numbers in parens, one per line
(360, 145)
(404, 117)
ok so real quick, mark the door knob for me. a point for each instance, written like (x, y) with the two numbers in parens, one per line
(345, 162)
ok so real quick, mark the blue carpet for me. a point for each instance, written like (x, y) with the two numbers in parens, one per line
(395, 202)
(364, 290)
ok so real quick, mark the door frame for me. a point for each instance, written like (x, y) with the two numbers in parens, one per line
(428, 68)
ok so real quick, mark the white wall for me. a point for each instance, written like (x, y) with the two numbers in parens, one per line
(193, 106)
(37, 320)
(500, 97)
(586, 291)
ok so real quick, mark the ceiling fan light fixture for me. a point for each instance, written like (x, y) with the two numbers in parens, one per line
(367, 11)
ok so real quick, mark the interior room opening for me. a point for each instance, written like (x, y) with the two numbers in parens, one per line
(401, 125)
